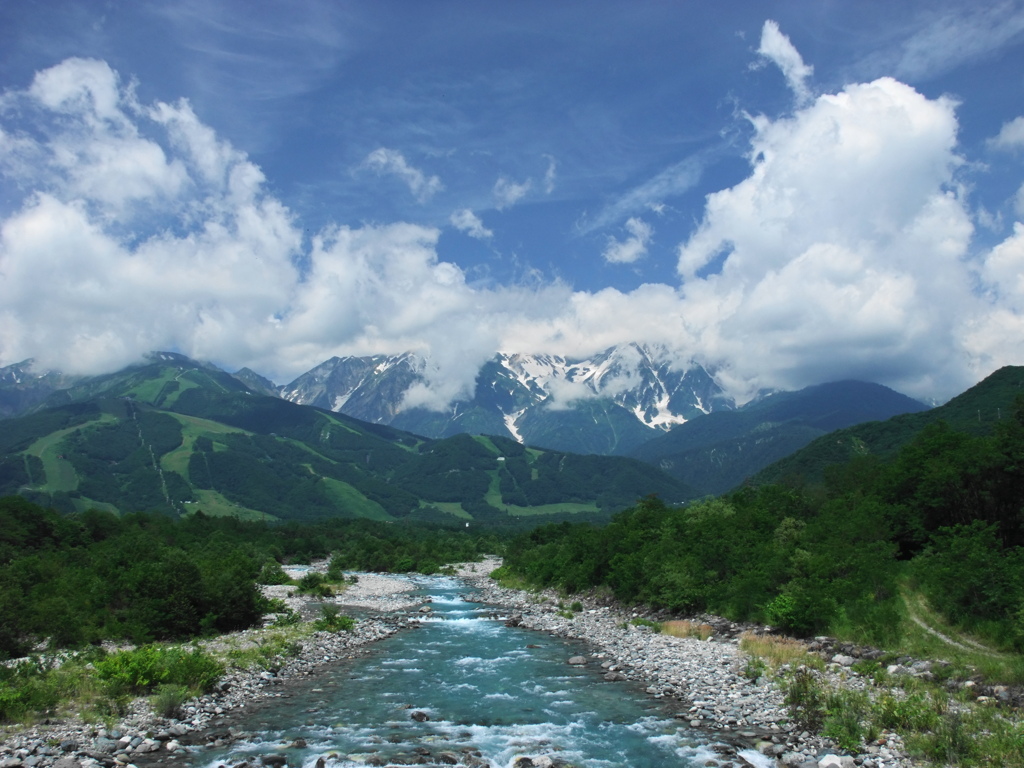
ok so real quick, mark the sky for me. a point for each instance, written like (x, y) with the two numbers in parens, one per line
(787, 193)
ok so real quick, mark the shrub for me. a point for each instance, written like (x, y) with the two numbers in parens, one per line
(805, 699)
(314, 584)
(169, 700)
(331, 620)
(150, 666)
(844, 718)
(272, 573)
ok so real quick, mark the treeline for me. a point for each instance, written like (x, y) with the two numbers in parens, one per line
(945, 514)
(80, 579)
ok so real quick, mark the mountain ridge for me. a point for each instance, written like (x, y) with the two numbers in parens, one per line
(631, 392)
(175, 435)
(718, 452)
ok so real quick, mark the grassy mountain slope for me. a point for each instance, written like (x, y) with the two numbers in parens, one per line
(715, 453)
(975, 412)
(178, 436)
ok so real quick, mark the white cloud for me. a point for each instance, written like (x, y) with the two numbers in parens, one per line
(996, 333)
(391, 161)
(843, 251)
(778, 49)
(951, 37)
(507, 192)
(633, 247)
(466, 221)
(675, 180)
(549, 176)
(1011, 135)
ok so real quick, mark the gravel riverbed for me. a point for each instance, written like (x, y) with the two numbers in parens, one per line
(703, 678)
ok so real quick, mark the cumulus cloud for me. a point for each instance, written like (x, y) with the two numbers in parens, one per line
(1011, 135)
(195, 255)
(392, 162)
(845, 253)
(633, 247)
(507, 192)
(778, 49)
(466, 221)
(843, 250)
(996, 334)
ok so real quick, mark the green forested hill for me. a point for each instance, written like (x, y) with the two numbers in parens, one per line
(974, 412)
(717, 452)
(176, 436)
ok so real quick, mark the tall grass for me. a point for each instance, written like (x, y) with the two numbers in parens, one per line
(777, 651)
(687, 628)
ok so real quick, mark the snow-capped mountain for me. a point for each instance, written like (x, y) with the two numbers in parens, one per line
(22, 387)
(608, 403)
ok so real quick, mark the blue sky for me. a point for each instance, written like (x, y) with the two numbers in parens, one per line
(787, 193)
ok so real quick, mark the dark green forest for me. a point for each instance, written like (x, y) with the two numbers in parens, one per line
(73, 580)
(942, 516)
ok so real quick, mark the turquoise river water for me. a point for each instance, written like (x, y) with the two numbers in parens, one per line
(503, 692)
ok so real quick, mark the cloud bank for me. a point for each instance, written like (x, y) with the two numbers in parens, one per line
(846, 252)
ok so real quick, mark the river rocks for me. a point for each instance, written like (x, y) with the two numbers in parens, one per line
(419, 716)
(705, 677)
(578, 661)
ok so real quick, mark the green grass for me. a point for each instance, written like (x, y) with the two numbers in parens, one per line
(485, 441)
(931, 637)
(568, 507)
(453, 508)
(83, 503)
(60, 475)
(191, 428)
(351, 500)
(214, 504)
(493, 495)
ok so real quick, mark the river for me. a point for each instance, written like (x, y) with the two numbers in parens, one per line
(463, 686)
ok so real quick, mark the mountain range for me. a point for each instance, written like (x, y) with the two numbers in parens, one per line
(173, 432)
(606, 404)
(175, 435)
(629, 400)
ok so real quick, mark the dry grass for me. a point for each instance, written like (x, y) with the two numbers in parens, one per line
(687, 628)
(775, 650)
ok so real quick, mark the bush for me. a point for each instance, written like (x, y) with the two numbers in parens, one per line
(169, 700)
(844, 719)
(331, 620)
(272, 573)
(149, 666)
(806, 699)
(314, 584)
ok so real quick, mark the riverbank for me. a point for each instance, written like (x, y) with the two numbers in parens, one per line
(263, 664)
(705, 678)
